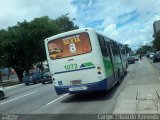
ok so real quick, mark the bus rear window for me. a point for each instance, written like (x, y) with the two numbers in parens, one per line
(68, 46)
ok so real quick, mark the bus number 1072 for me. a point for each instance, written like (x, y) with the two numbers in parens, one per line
(71, 67)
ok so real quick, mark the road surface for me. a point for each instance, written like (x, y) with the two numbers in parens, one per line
(156, 64)
(42, 99)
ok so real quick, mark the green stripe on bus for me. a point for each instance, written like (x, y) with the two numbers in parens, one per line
(108, 67)
(89, 64)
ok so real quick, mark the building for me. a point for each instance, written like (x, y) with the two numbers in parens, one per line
(156, 27)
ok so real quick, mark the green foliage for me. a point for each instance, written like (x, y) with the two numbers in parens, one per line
(65, 24)
(23, 45)
(144, 49)
(128, 49)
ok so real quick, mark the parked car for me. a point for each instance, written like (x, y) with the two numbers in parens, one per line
(136, 57)
(37, 76)
(33, 78)
(147, 54)
(46, 77)
(131, 60)
(156, 57)
(151, 55)
(2, 93)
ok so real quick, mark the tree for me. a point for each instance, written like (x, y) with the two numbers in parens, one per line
(2, 44)
(23, 45)
(42, 28)
(128, 49)
(144, 49)
(65, 24)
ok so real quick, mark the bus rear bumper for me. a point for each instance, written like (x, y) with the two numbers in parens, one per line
(97, 86)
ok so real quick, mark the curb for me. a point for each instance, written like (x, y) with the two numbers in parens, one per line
(154, 65)
(14, 86)
(16, 79)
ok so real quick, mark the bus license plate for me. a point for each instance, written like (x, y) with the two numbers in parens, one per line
(78, 88)
(76, 82)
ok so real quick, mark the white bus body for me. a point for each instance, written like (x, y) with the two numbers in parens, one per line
(76, 62)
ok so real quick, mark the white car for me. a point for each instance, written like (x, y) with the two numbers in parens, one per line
(2, 93)
(151, 55)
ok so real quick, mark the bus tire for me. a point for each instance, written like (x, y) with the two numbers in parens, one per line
(126, 66)
(125, 72)
(26, 84)
(119, 78)
(1, 95)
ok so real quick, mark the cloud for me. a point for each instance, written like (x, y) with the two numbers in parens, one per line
(126, 21)
(18, 10)
(90, 3)
(111, 30)
(128, 42)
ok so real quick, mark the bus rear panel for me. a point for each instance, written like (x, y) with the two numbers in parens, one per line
(76, 62)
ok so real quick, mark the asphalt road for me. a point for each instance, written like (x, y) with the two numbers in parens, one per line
(42, 99)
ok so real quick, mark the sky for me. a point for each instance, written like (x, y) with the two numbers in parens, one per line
(126, 21)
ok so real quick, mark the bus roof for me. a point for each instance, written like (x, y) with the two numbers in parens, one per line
(78, 31)
(109, 38)
(69, 32)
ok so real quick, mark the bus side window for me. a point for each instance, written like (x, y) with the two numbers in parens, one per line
(118, 49)
(126, 50)
(113, 48)
(103, 46)
(108, 49)
(123, 50)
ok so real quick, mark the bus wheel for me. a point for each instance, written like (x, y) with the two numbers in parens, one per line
(126, 66)
(119, 78)
(1, 95)
(126, 69)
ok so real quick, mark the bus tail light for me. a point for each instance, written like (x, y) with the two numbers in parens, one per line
(98, 68)
(99, 72)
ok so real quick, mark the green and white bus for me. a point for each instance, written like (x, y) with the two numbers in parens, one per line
(84, 60)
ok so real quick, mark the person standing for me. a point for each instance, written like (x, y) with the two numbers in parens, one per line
(140, 56)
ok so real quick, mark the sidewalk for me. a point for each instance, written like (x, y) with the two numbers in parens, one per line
(156, 64)
(10, 82)
(142, 92)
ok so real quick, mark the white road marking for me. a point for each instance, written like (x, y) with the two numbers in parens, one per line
(57, 99)
(14, 86)
(18, 98)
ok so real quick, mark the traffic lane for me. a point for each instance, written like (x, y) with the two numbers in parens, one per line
(37, 99)
(12, 92)
(93, 103)
(29, 100)
(82, 106)
(73, 107)
(21, 89)
(24, 102)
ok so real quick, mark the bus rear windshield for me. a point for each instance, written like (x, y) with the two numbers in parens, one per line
(68, 46)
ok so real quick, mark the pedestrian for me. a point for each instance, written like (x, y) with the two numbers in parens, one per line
(140, 56)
